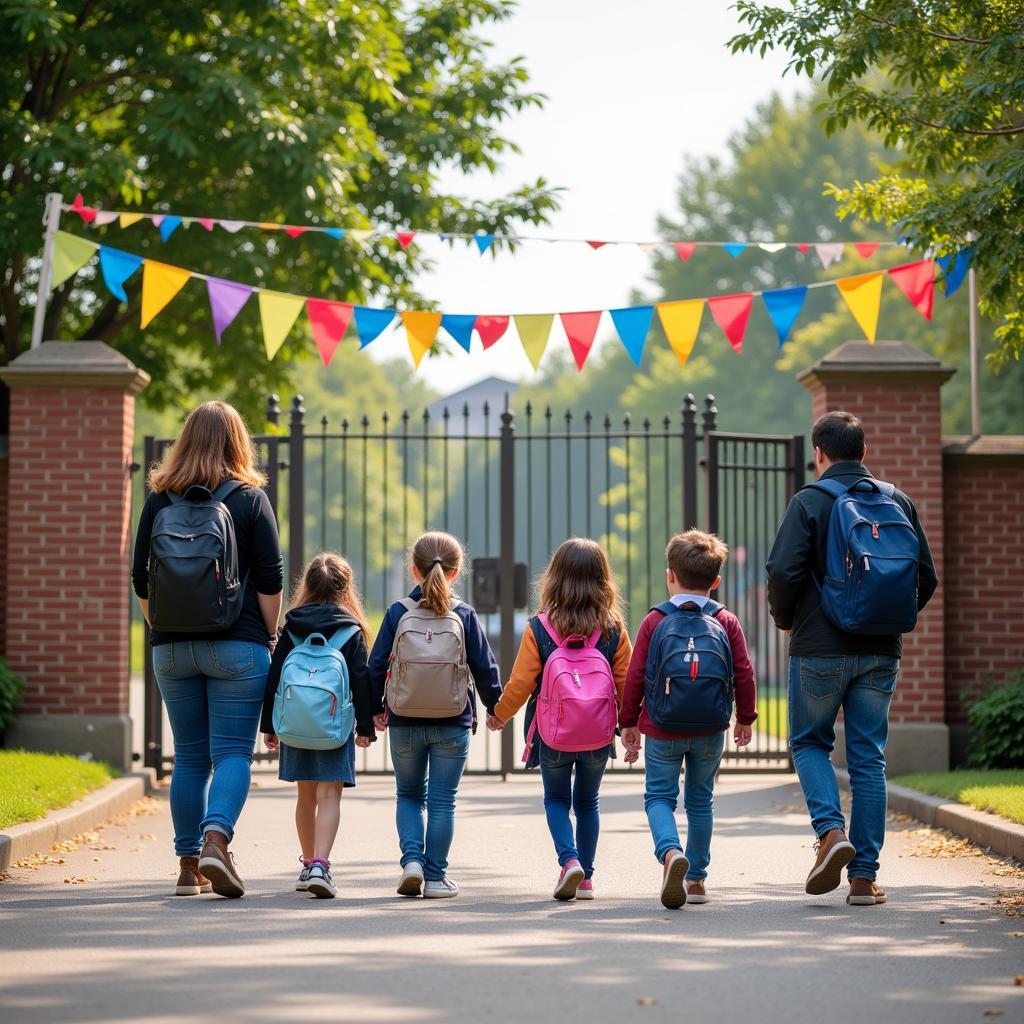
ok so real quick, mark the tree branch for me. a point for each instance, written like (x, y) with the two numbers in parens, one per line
(1009, 129)
(948, 37)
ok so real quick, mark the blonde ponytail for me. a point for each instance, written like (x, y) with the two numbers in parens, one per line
(436, 556)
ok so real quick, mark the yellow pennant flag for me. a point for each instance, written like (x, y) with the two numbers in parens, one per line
(863, 295)
(360, 234)
(421, 329)
(126, 220)
(534, 329)
(160, 283)
(681, 321)
(278, 311)
(70, 254)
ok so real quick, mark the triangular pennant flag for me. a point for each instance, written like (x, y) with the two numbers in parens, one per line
(943, 262)
(157, 219)
(371, 322)
(534, 330)
(87, 213)
(420, 330)
(917, 282)
(771, 246)
(160, 283)
(684, 250)
(266, 226)
(863, 294)
(961, 264)
(734, 248)
(595, 245)
(278, 312)
(681, 322)
(490, 328)
(226, 301)
(632, 325)
(168, 226)
(784, 305)
(232, 226)
(126, 220)
(802, 246)
(187, 222)
(104, 217)
(329, 321)
(648, 247)
(865, 249)
(293, 232)
(828, 253)
(483, 242)
(207, 222)
(117, 267)
(731, 313)
(70, 254)
(580, 329)
(405, 238)
(460, 327)
(361, 234)
(335, 232)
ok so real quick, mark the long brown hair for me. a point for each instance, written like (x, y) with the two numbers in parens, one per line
(435, 555)
(214, 445)
(578, 591)
(328, 579)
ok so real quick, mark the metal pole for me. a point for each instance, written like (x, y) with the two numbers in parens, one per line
(507, 570)
(296, 494)
(51, 218)
(975, 336)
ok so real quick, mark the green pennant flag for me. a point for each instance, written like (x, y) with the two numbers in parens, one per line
(70, 254)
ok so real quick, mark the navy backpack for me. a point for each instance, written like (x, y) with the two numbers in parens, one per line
(872, 561)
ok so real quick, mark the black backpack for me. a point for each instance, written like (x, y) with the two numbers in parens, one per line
(193, 563)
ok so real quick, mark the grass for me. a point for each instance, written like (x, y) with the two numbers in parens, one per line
(32, 785)
(137, 640)
(999, 792)
(773, 715)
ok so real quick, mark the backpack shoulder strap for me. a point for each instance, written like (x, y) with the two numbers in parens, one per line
(175, 499)
(712, 608)
(666, 608)
(341, 636)
(409, 604)
(296, 642)
(887, 490)
(545, 623)
(225, 489)
(828, 486)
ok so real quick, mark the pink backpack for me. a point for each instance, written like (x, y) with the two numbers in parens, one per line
(577, 707)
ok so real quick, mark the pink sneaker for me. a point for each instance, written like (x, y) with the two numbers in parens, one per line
(586, 890)
(569, 880)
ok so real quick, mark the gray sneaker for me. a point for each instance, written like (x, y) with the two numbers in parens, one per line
(320, 883)
(440, 889)
(301, 882)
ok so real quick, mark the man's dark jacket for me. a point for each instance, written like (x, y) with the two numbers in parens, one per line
(797, 559)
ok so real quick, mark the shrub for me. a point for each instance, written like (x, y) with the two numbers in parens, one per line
(12, 686)
(996, 720)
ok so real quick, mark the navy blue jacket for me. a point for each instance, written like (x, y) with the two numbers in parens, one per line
(479, 656)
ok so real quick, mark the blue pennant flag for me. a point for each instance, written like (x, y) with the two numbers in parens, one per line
(944, 262)
(335, 232)
(168, 226)
(371, 322)
(956, 274)
(117, 267)
(633, 324)
(460, 327)
(483, 242)
(784, 307)
(734, 248)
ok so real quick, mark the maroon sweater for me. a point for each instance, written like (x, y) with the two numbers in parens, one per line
(633, 712)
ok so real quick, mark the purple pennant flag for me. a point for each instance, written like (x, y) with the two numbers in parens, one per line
(226, 301)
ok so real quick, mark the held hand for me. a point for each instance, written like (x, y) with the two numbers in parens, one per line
(742, 734)
(380, 722)
(631, 739)
(632, 755)
(363, 741)
(494, 723)
(271, 741)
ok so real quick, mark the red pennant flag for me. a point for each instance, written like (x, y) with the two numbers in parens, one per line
(865, 249)
(917, 282)
(207, 222)
(294, 232)
(405, 238)
(87, 213)
(329, 321)
(490, 328)
(580, 329)
(731, 313)
(685, 249)
(803, 246)
(596, 245)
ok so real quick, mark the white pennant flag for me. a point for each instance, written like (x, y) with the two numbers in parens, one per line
(772, 246)
(649, 247)
(232, 225)
(828, 253)
(104, 217)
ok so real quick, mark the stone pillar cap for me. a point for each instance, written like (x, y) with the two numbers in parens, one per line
(78, 364)
(861, 362)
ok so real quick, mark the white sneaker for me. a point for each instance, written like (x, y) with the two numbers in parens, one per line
(303, 879)
(412, 879)
(440, 889)
(320, 883)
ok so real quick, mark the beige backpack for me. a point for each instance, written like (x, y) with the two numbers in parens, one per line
(428, 677)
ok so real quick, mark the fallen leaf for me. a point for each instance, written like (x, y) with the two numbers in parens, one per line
(992, 1013)
(646, 1001)
(1019, 980)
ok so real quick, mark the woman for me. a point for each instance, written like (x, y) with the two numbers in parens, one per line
(211, 628)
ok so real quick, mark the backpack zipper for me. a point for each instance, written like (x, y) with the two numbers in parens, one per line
(576, 678)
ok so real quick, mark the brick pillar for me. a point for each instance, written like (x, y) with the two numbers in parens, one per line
(68, 546)
(894, 388)
(3, 545)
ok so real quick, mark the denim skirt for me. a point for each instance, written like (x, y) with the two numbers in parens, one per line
(338, 765)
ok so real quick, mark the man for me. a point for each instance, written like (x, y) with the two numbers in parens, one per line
(831, 669)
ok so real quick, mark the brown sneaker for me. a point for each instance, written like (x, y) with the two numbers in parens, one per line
(673, 882)
(864, 893)
(696, 893)
(835, 851)
(191, 882)
(219, 866)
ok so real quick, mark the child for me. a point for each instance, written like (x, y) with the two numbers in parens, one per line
(578, 598)
(326, 602)
(430, 649)
(696, 641)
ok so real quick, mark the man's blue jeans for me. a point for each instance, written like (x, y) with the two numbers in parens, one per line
(213, 691)
(584, 797)
(698, 758)
(429, 761)
(863, 687)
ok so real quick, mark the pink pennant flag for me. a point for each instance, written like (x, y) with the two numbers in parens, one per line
(207, 222)
(87, 213)
(580, 329)
(405, 238)
(917, 282)
(731, 313)
(685, 249)
(865, 249)
(595, 245)
(329, 321)
(490, 328)
(294, 232)
(828, 253)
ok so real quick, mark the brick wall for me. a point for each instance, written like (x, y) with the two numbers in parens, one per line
(3, 544)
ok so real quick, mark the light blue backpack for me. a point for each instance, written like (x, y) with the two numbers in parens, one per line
(313, 705)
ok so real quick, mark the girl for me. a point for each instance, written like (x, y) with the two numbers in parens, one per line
(326, 602)
(429, 748)
(578, 596)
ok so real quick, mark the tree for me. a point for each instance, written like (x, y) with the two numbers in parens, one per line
(293, 111)
(943, 82)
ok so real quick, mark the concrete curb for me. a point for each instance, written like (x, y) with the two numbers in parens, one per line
(983, 829)
(95, 809)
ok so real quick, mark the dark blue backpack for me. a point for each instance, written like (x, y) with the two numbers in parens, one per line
(688, 680)
(872, 561)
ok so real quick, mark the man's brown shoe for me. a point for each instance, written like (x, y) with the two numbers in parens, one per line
(191, 882)
(696, 893)
(864, 893)
(219, 866)
(835, 851)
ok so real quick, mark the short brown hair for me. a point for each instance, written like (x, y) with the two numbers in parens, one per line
(696, 558)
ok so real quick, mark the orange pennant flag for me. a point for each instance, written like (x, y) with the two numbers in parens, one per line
(160, 283)
(420, 330)
(681, 321)
(863, 294)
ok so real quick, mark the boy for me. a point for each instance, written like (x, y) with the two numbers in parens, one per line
(700, 645)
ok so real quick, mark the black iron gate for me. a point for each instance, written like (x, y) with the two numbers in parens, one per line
(512, 487)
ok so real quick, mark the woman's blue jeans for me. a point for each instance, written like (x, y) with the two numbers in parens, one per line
(429, 761)
(583, 796)
(213, 691)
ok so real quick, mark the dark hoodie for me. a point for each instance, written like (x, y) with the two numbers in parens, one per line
(326, 619)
